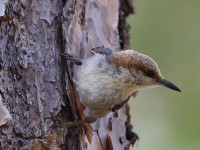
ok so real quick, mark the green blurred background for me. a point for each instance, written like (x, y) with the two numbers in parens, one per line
(169, 32)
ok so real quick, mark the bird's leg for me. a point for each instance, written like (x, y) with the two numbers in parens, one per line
(88, 119)
(78, 123)
(72, 58)
(119, 106)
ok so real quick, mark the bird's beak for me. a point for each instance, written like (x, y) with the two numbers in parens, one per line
(169, 85)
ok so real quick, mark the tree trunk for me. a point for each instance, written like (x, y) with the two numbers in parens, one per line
(37, 85)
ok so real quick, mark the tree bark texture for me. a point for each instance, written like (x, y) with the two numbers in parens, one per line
(37, 85)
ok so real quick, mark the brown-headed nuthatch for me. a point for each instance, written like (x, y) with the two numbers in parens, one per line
(106, 80)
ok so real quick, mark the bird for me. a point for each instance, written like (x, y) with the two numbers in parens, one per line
(106, 80)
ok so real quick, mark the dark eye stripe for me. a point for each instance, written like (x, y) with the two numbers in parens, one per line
(150, 73)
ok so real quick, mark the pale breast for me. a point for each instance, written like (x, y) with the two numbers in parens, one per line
(102, 86)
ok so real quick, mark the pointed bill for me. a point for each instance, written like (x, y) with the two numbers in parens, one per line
(169, 85)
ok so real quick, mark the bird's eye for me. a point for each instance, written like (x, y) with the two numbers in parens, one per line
(150, 73)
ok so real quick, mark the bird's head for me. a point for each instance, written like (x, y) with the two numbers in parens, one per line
(143, 69)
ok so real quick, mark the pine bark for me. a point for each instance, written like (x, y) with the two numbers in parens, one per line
(37, 85)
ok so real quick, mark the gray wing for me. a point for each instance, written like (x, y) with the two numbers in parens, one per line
(102, 50)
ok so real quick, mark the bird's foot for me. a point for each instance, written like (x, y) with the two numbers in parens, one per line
(87, 120)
